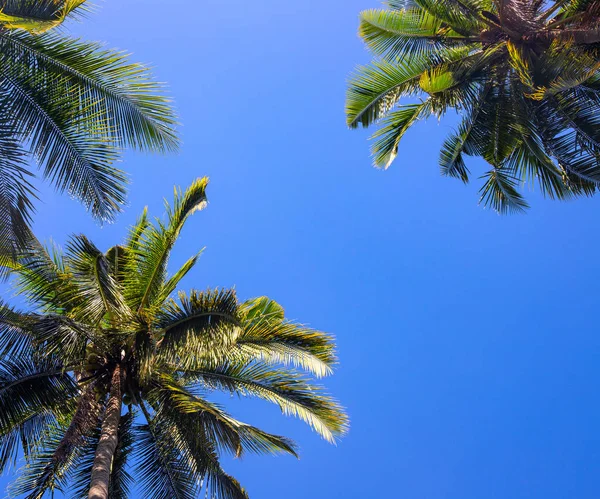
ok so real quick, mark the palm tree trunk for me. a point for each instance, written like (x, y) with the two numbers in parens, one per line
(108, 439)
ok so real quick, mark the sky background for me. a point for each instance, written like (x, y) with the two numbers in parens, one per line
(468, 342)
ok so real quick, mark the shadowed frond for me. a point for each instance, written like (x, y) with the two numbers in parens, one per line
(15, 331)
(29, 386)
(499, 192)
(37, 16)
(182, 449)
(96, 289)
(164, 472)
(224, 433)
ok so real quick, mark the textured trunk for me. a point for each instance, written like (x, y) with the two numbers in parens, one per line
(83, 422)
(108, 439)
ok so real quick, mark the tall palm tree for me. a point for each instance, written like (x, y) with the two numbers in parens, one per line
(109, 365)
(71, 105)
(524, 76)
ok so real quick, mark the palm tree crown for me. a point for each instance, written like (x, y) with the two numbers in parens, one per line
(71, 105)
(109, 365)
(523, 75)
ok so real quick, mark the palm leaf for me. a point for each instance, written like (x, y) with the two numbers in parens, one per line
(396, 124)
(148, 271)
(499, 192)
(202, 325)
(289, 391)
(96, 288)
(109, 87)
(411, 33)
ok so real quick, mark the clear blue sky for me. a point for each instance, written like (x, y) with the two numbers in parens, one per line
(468, 342)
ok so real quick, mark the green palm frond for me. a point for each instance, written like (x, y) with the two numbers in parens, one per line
(59, 451)
(133, 240)
(289, 391)
(72, 105)
(396, 124)
(36, 16)
(224, 433)
(288, 344)
(164, 472)
(452, 163)
(41, 276)
(15, 331)
(406, 33)
(201, 326)
(62, 336)
(268, 338)
(185, 448)
(74, 153)
(375, 90)
(116, 94)
(16, 192)
(95, 286)
(499, 192)
(24, 438)
(154, 246)
(463, 16)
(42, 474)
(262, 309)
(30, 386)
(172, 282)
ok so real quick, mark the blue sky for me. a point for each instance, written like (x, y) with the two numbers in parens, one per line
(468, 341)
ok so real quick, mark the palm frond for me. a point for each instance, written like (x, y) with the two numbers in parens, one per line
(97, 291)
(41, 276)
(181, 448)
(171, 283)
(148, 271)
(202, 325)
(16, 192)
(36, 16)
(374, 90)
(267, 337)
(499, 192)
(202, 417)
(292, 393)
(396, 124)
(75, 154)
(463, 16)
(109, 87)
(15, 331)
(164, 474)
(405, 33)
(30, 386)
(50, 466)
(23, 439)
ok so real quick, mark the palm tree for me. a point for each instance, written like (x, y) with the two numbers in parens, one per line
(71, 105)
(106, 335)
(522, 74)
